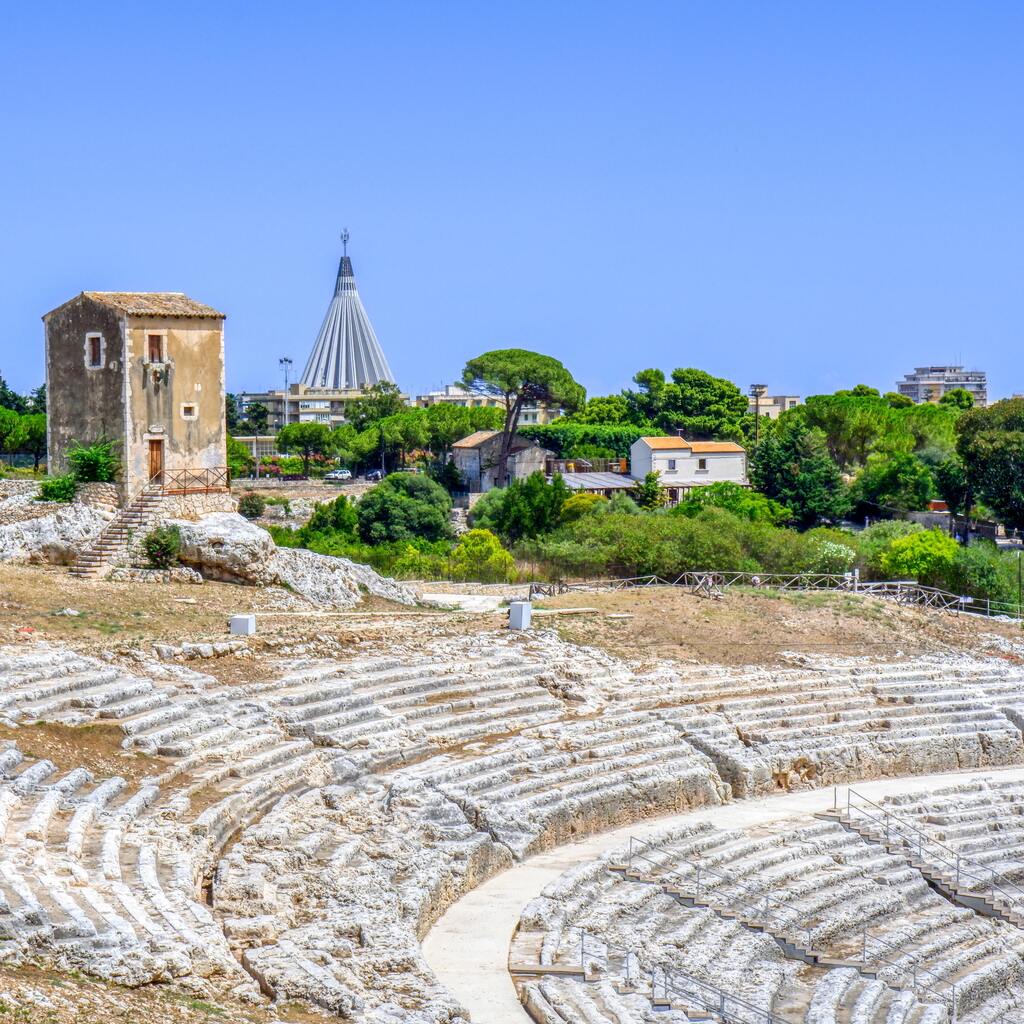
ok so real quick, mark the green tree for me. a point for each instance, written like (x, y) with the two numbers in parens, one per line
(380, 401)
(10, 429)
(231, 418)
(305, 440)
(404, 506)
(32, 436)
(519, 377)
(240, 459)
(893, 483)
(959, 398)
(37, 400)
(564, 437)
(480, 556)
(740, 501)
(927, 556)
(648, 493)
(990, 443)
(525, 509)
(10, 399)
(580, 505)
(863, 391)
(694, 403)
(952, 487)
(258, 416)
(794, 468)
(332, 517)
(897, 401)
(602, 409)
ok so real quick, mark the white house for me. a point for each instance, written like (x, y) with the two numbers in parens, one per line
(683, 464)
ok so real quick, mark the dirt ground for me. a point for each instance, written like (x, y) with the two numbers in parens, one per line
(746, 627)
(30, 995)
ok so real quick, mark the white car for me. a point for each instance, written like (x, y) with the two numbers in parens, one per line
(337, 475)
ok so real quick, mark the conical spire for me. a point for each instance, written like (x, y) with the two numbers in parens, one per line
(347, 354)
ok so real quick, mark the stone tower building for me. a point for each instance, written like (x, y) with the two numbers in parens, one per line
(145, 369)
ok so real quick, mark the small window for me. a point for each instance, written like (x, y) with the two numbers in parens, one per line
(702, 465)
(156, 348)
(671, 465)
(189, 412)
(95, 351)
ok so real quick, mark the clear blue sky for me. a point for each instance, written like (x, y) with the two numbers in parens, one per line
(805, 194)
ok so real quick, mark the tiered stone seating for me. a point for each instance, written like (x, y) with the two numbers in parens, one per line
(554, 782)
(794, 729)
(824, 878)
(981, 821)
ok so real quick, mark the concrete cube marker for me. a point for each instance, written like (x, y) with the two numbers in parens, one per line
(519, 613)
(243, 625)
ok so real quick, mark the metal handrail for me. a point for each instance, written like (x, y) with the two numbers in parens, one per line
(913, 970)
(954, 859)
(191, 481)
(746, 897)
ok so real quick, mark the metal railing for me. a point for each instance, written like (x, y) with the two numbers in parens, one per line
(903, 592)
(195, 481)
(667, 983)
(921, 978)
(744, 899)
(965, 876)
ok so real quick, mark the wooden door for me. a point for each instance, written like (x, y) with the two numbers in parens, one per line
(156, 462)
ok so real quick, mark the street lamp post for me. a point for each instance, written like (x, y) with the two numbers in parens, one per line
(286, 364)
(757, 392)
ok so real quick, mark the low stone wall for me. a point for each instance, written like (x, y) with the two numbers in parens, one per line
(180, 574)
(8, 488)
(97, 495)
(195, 506)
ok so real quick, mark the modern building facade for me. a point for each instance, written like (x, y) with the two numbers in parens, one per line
(772, 405)
(930, 383)
(459, 394)
(145, 369)
(300, 404)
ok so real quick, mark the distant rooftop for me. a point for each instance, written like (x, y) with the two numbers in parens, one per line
(169, 304)
(675, 444)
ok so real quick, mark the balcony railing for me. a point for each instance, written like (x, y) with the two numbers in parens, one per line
(194, 481)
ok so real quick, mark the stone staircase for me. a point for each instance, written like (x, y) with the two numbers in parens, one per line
(97, 559)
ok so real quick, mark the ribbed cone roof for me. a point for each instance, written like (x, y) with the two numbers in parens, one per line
(346, 354)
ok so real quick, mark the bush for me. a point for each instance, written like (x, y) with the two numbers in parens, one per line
(875, 540)
(58, 488)
(404, 506)
(526, 508)
(252, 506)
(741, 501)
(162, 545)
(479, 556)
(580, 505)
(927, 557)
(94, 463)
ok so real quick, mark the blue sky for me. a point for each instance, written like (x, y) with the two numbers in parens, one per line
(804, 194)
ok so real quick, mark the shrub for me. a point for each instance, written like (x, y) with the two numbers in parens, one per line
(252, 506)
(93, 463)
(337, 516)
(647, 493)
(404, 506)
(480, 556)
(58, 488)
(580, 505)
(526, 508)
(831, 557)
(741, 501)
(927, 557)
(162, 545)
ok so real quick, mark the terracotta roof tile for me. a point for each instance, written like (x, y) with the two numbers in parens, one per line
(170, 304)
(675, 444)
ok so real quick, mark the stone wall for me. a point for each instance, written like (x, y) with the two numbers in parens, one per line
(195, 506)
(97, 495)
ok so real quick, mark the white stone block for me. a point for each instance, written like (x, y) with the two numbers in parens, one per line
(243, 625)
(519, 613)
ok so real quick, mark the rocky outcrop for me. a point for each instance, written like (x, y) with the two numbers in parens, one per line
(56, 535)
(335, 582)
(226, 546)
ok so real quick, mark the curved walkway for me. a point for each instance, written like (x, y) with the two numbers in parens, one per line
(468, 947)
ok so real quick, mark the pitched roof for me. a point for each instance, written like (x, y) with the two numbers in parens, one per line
(676, 444)
(476, 439)
(598, 481)
(169, 304)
